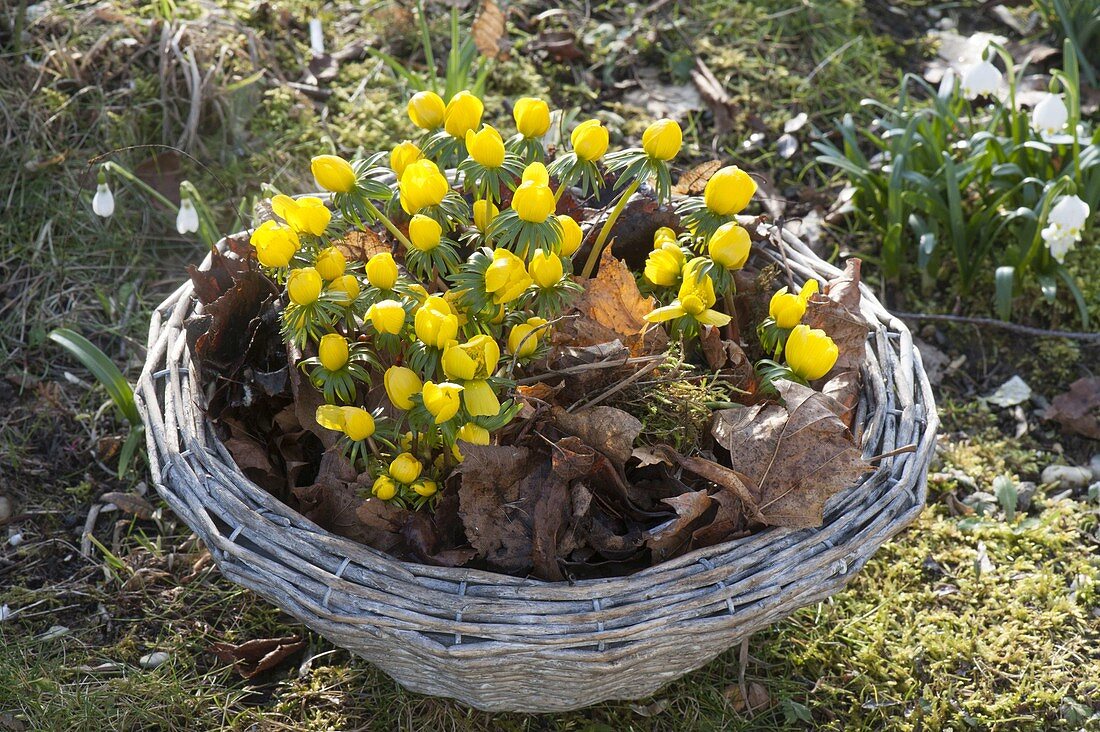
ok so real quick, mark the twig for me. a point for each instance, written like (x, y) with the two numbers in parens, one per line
(580, 368)
(899, 451)
(620, 386)
(1004, 325)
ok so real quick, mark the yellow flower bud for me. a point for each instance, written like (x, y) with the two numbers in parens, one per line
(418, 293)
(358, 423)
(401, 384)
(425, 487)
(536, 173)
(589, 140)
(347, 284)
(333, 173)
(663, 266)
(382, 271)
(523, 340)
(484, 213)
(330, 416)
(663, 235)
(442, 400)
(533, 202)
(480, 399)
(422, 185)
(435, 323)
(486, 147)
(308, 215)
(405, 468)
(477, 358)
(333, 351)
(571, 235)
(425, 232)
(729, 191)
(275, 244)
(463, 113)
(506, 278)
(303, 285)
(387, 316)
(384, 488)
(426, 110)
(786, 308)
(729, 246)
(402, 155)
(546, 269)
(330, 263)
(532, 116)
(662, 139)
(474, 434)
(810, 352)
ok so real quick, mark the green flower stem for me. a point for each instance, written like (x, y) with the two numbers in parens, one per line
(562, 185)
(387, 223)
(597, 248)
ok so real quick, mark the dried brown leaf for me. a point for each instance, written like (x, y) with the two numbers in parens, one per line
(674, 536)
(1078, 410)
(838, 314)
(255, 657)
(495, 517)
(694, 181)
(609, 430)
(612, 308)
(359, 245)
(754, 698)
(715, 95)
(488, 30)
(130, 503)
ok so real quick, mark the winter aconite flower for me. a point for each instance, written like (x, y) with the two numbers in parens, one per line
(333, 173)
(662, 139)
(729, 191)
(384, 488)
(426, 110)
(810, 352)
(663, 235)
(695, 298)
(355, 422)
(729, 246)
(401, 384)
(424, 487)
(387, 316)
(402, 155)
(187, 220)
(442, 400)
(533, 202)
(347, 284)
(571, 235)
(275, 244)
(422, 185)
(463, 113)
(434, 323)
(1050, 115)
(1065, 224)
(330, 263)
(425, 232)
(306, 215)
(405, 468)
(382, 271)
(303, 286)
(523, 340)
(486, 147)
(484, 213)
(532, 117)
(787, 309)
(546, 269)
(663, 266)
(589, 140)
(980, 79)
(474, 434)
(475, 359)
(333, 351)
(506, 278)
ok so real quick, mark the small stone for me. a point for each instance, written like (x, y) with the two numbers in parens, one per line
(1009, 394)
(16, 539)
(1067, 476)
(152, 660)
(1094, 466)
(5, 507)
(1025, 492)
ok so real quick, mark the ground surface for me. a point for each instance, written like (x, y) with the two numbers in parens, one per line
(968, 620)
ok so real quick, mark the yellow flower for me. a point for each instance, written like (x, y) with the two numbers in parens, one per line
(387, 316)
(358, 423)
(662, 139)
(330, 263)
(405, 468)
(303, 285)
(810, 352)
(308, 215)
(532, 116)
(506, 278)
(463, 113)
(729, 191)
(663, 235)
(546, 269)
(275, 244)
(401, 384)
(435, 323)
(442, 400)
(477, 358)
(729, 246)
(330, 416)
(486, 147)
(426, 110)
(333, 173)
(382, 271)
(484, 213)
(480, 399)
(696, 298)
(533, 202)
(333, 351)
(571, 235)
(403, 154)
(787, 309)
(536, 173)
(425, 232)
(425, 487)
(523, 340)
(589, 140)
(384, 488)
(663, 266)
(347, 284)
(418, 293)
(474, 434)
(422, 185)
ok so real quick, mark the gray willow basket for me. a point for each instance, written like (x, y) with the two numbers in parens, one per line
(502, 643)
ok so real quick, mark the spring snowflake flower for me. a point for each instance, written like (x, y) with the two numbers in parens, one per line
(1064, 226)
(187, 220)
(980, 79)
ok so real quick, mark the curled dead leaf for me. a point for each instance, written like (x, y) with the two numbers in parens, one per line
(255, 657)
(130, 503)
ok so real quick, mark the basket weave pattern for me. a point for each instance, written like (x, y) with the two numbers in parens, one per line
(501, 643)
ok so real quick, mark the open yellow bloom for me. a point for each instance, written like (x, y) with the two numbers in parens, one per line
(477, 358)
(571, 235)
(303, 286)
(426, 110)
(387, 316)
(787, 309)
(486, 147)
(384, 488)
(729, 190)
(696, 298)
(333, 173)
(422, 185)
(484, 213)
(442, 400)
(382, 271)
(546, 269)
(463, 113)
(358, 423)
(275, 244)
(533, 202)
(333, 351)
(402, 155)
(307, 215)
(589, 140)
(523, 340)
(435, 323)
(330, 263)
(532, 117)
(330, 416)
(662, 236)
(810, 352)
(536, 173)
(729, 246)
(506, 278)
(347, 284)
(662, 139)
(405, 468)
(401, 384)
(425, 232)
(663, 266)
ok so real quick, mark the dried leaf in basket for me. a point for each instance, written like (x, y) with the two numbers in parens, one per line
(255, 657)
(609, 430)
(436, 536)
(674, 536)
(839, 316)
(792, 458)
(727, 357)
(612, 308)
(493, 510)
(224, 270)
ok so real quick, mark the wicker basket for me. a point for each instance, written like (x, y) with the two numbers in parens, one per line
(502, 643)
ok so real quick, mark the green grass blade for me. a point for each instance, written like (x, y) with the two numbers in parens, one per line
(105, 372)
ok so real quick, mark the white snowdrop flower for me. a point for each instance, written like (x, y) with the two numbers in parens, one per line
(1058, 242)
(103, 202)
(1070, 213)
(980, 79)
(187, 220)
(1050, 115)
(947, 84)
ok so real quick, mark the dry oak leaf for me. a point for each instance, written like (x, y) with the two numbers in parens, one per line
(612, 307)
(793, 457)
(1078, 410)
(488, 30)
(255, 657)
(360, 245)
